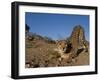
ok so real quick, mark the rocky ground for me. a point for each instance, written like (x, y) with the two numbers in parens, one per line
(40, 51)
(41, 54)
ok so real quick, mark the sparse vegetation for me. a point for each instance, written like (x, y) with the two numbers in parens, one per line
(40, 51)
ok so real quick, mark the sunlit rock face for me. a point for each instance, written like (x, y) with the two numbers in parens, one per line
(74, 45)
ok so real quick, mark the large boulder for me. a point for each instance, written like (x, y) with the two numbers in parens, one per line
(78, 41)
(74, 45)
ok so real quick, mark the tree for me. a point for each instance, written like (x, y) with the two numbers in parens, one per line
(27, 28)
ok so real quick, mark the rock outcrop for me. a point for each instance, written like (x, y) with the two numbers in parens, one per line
(77, 40)
(45, 52)
(75, 44)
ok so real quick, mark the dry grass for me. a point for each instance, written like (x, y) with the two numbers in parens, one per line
(42, 54)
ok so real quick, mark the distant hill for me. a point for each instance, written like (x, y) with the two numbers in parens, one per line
(34, 36)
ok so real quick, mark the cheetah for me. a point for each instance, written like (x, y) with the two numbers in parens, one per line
(75, 44)
(62, 49)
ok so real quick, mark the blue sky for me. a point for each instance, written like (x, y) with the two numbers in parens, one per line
(56, 26)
